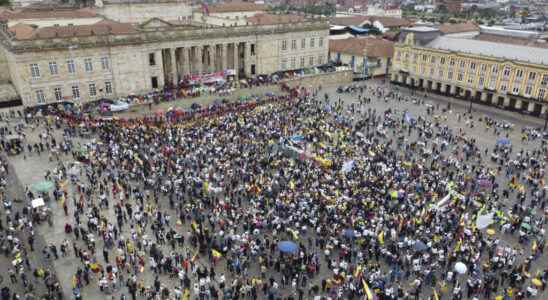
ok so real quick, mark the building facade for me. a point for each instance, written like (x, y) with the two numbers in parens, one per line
(112, 60)
(515, 77)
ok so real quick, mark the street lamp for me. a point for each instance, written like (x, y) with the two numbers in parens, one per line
(470, 106)
(545, 120)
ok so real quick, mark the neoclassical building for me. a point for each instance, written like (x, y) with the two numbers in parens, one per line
(489, 68)
(86, 59)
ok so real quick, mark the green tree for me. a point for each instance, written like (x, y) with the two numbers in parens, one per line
(4, 2)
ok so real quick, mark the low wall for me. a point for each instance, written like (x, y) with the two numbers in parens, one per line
(323, 79)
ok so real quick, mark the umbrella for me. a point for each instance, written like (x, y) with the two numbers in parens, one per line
(526, 226)
(537, 282)
(490, 231)
(503, 141)
(74, 171)
(349, 233)
(287, 246)
(347, 166)
(160, 112)
(269, 94)
(419, 246)
(460, 268)
(484, 221)
(43, 186)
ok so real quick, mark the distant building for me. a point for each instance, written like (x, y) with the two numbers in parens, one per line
(487, 67)
(367, 56)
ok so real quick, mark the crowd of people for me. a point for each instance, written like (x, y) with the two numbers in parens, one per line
(298, 197)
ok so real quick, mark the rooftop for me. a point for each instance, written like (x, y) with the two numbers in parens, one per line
(269, 19)
(359, 20)
(29, 32)
(421, 29)
(50, 13)
(487, 48)
(513, 40)
(375, 47)
(236, 7)
(448, 28)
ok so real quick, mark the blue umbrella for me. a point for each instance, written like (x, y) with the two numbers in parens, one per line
(420, 246)
(503, 141)
(287, 246)
(269, 94)
(349, 233)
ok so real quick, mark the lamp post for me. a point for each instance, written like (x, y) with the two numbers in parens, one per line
(470, 106)
(545, 120)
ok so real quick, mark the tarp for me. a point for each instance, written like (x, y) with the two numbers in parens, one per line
(359, 29)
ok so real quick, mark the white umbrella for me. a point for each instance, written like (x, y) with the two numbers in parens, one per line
(484, 221)
(37, 202)
(460, 268)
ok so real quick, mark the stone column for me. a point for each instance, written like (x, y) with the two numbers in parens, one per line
(453, 90)
(531, 107)
(425, 84)
(185, 61)
(483, 97)
(443, 88)
(173, 65)
(408, 80)
(519, 104)
(224, 56)
(506, 101)
(247, 58)
(211, 52)
(236, 60)
(199, 59)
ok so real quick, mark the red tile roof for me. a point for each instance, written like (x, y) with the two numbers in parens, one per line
(57, 13)
(27, 32)
(448, 28)
(375, 47)
(268, 19)
(236, 7)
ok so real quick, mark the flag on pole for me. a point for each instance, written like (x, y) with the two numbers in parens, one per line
(216, 253)
(367, 291)
(436, 297)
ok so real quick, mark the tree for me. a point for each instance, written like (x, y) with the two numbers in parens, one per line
(4, 2)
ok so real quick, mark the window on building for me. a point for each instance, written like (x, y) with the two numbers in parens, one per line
(431, 70)
(252, 49)
(105, 63)
(253, 69)
(532, 76)
(483, 67)
(544, 79)
(311, 61)
(108, 87)
(494, 69)
(398, 55)
(34, 71)
(541, 94)
(92, 90)
(452, 62)
(284, 64)
(75, 92)
(293, 44)
(460, 76)
(293, 63)
(442, 61)
(88, 66)
(440, 73)
(424, 57)
(481, 81)
(470, 79)
(154, 82)
(303, 43)
(152, 59)
(528, 90)
(462, 64)
(71, 68)
(40, 97)
(450, 75)
(473, 66)
(58, 94)
(515, 89)
(433, 60)
(284, 45)
(320, 42)
(415, 57)
(506, 72)
(503, 87)
(53, 68)
(312, 42)
(301, 65)
(519, 74)
(320, 59)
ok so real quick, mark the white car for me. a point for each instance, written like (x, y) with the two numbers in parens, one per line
(119, 106)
